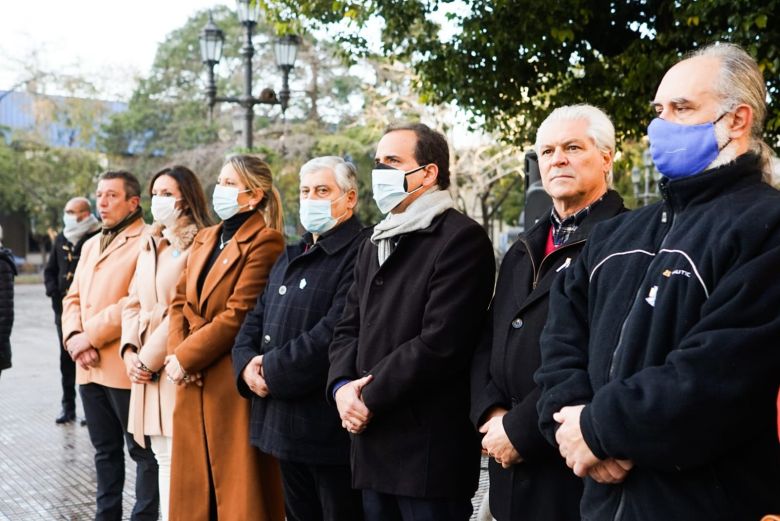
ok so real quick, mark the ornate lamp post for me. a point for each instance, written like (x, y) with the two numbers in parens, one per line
(285, 50)
(647, 174)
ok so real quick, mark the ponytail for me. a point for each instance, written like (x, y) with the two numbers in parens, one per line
(274, 217)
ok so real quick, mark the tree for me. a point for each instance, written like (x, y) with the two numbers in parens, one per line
(511, 62)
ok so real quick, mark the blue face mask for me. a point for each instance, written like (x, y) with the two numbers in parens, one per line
(316, 216)
(683, 150)
(225, 201)
(389, 186)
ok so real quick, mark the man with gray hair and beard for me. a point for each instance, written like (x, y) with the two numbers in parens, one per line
(80, 225)
(661, 346)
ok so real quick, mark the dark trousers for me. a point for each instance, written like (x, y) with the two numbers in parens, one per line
(67, 366)
(319, 493)
(107, 410)
(387, 507)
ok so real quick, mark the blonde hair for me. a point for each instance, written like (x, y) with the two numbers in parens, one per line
(256, 175)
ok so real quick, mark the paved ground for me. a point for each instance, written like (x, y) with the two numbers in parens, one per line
(46, 471)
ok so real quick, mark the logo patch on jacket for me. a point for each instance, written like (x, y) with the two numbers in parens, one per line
(668, 273)
(650, 299)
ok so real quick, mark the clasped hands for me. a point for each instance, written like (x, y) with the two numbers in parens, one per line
(495, 443)
(254, 376)
(81, 351)
(578, 455)
(352, 409)
(176, 373)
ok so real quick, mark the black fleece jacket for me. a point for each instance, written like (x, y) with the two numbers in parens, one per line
(667, 327)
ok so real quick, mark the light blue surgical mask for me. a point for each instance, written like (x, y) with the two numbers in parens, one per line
(316, 215)
(69, 220)
(225, 201)
(389, 186)
(683, 150)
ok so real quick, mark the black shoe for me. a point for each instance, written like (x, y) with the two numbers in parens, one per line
(65, 417)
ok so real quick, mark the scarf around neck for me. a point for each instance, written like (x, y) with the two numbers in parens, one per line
(417, 216)
(75, 233)
(109, 234)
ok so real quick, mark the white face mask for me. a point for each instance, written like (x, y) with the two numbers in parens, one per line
(316, 215)
(389, 186)
(164, 210)
(225, 201)
(69, 220)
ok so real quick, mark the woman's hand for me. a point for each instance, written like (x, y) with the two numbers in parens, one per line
(136, 370)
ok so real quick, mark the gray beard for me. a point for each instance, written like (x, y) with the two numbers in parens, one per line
(727, 152)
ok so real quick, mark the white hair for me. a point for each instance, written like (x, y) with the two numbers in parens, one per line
(344, 171)
(740, 82)
(600, 127)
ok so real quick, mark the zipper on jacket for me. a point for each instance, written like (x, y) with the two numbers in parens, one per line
(613, 359)
(621, 503)
(538, 272)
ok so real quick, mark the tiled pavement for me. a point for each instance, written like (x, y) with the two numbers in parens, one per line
(46, 471)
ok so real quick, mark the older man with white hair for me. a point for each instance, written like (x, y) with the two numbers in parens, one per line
(280, 355)
(661, 345)
(528, 479)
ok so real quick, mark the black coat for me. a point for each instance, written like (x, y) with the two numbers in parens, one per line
(7, 274)
(292, 326)
(414, 323)
(61, 265)
(667, 328)
(542, 486)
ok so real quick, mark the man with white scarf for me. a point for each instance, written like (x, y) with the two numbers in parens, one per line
(80, 225)
(400, 356)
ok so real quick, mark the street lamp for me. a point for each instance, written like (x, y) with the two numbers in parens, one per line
(647, 174)
(285, 50)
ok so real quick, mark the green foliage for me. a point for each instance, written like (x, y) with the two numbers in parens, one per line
(39, 180)
(512, 61)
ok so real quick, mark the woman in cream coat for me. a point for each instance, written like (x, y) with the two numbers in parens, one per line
(179, 210)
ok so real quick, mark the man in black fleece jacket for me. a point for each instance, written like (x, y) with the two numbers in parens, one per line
(661, 349)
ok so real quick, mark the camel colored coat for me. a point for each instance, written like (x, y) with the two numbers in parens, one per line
(211, 423)
(95, 299)
(161, 262)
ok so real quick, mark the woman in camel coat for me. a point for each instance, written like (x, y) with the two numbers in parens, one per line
(216, 473)
(179, 210)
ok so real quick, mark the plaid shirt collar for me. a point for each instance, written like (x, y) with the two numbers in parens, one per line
(563, 228)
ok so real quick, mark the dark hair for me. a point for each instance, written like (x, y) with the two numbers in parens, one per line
(194, 200)
(431, 147)
(132, 186)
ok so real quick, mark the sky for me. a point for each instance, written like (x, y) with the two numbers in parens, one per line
(109, 42)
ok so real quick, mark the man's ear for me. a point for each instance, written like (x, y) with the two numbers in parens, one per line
(431, 174)
(741, 122)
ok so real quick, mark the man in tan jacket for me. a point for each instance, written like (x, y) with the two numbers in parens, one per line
(91, 326)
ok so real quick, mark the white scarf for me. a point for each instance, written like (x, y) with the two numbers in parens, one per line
(417, 216)
(74, 233)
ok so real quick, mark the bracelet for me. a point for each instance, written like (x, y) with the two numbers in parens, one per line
(143, 367)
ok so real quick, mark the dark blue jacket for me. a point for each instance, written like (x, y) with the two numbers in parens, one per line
(292, 326)
(667, 327)
(541, 486)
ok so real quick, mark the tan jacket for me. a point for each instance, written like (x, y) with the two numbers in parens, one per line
(95, 299)
(211, 423)
(145, 325)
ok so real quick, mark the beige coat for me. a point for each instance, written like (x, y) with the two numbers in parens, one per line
(161, 262)
(95, 300)
(211, 423)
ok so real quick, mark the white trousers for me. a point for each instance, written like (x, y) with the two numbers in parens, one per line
(161, 446)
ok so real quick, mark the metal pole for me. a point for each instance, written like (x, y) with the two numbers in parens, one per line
(249, 112)
(647, 185)
(211, 91)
